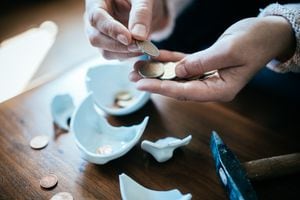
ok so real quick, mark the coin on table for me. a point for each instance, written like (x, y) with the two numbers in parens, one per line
(151, 70)
(39, 142)
(62, 196)
(48, 181)
(148, 48)
(105, 149)
(169, 71)
(123, 96)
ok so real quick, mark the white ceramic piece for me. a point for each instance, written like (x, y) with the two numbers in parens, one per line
(162, 150)
(106, 80)
(92, 131)
(131, 190)
(62, 108)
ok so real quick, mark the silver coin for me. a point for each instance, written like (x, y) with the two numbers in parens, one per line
(208, 74)
(105, 149)
(124, 103)
(62, 196)
(148, 48)
(123, 96)
(39, 142)
(169, 71)
(151, 70)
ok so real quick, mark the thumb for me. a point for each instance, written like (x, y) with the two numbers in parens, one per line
(215, 57)
(140, 18)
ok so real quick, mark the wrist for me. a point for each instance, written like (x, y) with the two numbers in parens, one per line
(283, 37)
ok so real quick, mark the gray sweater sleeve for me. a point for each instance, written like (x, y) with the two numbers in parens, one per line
(291, 12)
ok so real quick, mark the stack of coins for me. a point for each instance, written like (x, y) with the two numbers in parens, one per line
(166, 71)
(123, 99)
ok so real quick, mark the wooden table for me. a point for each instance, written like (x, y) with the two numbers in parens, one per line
(254, 126)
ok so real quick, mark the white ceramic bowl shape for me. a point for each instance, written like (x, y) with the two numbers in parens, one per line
(131, 190)
(162, 150)
(91, 131)
(106, 80)
(62, 108)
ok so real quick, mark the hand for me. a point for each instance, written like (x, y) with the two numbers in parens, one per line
(238, 55)
(112, 25)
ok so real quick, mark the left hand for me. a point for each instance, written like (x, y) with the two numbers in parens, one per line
(242, 50)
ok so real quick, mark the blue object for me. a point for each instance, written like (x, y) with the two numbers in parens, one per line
(230, 171)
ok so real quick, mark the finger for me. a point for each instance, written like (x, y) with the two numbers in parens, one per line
(119, 56)
(140, 18)
(211, 89)
(134, 76)
(169, 56)
(106, 24)
(221, 55)
(98, 39)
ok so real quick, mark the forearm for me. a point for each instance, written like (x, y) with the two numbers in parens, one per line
(291, 12)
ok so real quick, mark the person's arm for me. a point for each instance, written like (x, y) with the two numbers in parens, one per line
(291, 12)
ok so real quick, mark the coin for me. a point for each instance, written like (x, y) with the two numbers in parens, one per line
(151, 70)
(124, 103)
(208, 74)
(62, 196)
(148, 48)
(123, 95)
(105, 149)
(169, 71)
(39, 142)
(49, 181)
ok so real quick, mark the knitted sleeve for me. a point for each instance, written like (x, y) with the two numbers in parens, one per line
(174, 8)
(291, 12)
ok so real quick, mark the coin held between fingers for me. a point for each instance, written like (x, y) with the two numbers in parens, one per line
(147, 47)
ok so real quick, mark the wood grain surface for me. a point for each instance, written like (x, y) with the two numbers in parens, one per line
(248, 126)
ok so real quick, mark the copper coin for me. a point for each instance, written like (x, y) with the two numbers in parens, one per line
(49, 181)
(62, 196)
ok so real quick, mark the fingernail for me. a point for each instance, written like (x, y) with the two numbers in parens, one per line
(133, 48)
(123, 39)
(139, 30)
(180, 71)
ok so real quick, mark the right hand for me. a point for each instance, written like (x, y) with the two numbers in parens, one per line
(113, 25)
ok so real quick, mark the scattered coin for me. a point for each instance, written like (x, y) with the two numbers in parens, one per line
(39, 142)
(152, 70)
(62, 196)
(105, 149)
(49, 181)
(169, 71)
(123, 96)
(148, 48)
